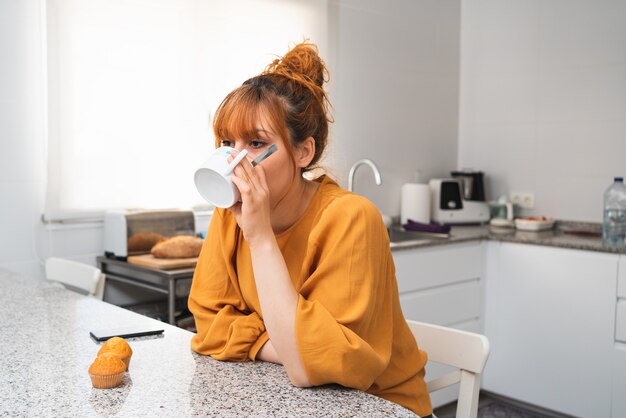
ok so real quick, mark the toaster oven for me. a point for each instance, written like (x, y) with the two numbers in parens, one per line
(134, 232)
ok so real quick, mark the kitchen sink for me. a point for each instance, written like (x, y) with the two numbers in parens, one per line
(399, 237)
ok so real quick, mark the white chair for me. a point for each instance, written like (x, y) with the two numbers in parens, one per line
(76, 275)
(466, 351)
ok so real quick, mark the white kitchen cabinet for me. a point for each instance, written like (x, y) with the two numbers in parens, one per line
(620, 316)
(442, 285)
(619, 381)
(619, 351)
(550, 317)
(620, 321)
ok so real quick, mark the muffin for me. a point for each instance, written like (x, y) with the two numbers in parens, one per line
(119, 347)
(107, 371)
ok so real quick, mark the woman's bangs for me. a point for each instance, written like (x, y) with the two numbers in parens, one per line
(237, 119)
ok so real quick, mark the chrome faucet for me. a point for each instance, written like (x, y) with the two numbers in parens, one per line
(356, 165)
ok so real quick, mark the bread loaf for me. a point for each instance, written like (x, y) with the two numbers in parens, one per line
(182, 246)
(142, 242)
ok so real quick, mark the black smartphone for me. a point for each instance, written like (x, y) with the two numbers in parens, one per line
(125, 332)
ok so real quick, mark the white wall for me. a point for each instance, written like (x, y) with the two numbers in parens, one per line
(543, 100)
(22, 156)
(395, 91)
(24, 240)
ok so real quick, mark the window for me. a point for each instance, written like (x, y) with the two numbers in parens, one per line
(132, 84)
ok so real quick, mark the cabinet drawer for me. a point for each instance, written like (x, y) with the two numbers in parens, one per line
(446, 305)
(422, 268)
(620, 321)
(621, 277)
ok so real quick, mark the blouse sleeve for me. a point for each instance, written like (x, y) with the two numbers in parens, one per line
(344, 317)
(226, 329)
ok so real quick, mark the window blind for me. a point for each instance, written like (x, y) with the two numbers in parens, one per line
(131, 88)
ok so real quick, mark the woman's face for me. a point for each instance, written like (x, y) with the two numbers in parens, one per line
(279, 167)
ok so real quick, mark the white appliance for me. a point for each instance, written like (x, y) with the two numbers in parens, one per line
(449, 207)
(121, 227)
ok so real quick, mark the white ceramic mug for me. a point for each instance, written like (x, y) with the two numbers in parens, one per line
(214, 178)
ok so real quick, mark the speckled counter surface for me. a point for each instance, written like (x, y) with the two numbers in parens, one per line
(46, 349)
(565, 234)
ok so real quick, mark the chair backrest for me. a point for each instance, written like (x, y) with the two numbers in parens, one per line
(77, 275)
(466, 351)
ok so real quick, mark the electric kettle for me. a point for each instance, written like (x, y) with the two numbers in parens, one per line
(502, 213)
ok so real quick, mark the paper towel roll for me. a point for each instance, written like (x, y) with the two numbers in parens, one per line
(415, 203)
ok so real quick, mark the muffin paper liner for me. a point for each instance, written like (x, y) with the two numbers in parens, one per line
(106, 382)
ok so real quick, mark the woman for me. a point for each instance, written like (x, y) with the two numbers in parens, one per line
(300, 272)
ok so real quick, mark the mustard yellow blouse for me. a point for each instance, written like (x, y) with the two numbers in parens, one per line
(349, 325)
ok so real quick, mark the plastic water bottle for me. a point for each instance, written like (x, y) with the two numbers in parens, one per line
(614, 225)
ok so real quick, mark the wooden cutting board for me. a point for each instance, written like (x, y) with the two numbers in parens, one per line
(148, 260)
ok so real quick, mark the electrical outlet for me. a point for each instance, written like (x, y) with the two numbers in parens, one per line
(524, 200)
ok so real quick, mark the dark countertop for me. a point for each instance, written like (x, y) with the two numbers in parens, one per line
(565, 234)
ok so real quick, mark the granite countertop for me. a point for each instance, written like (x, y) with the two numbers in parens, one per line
(565, 234)
(46, 350)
